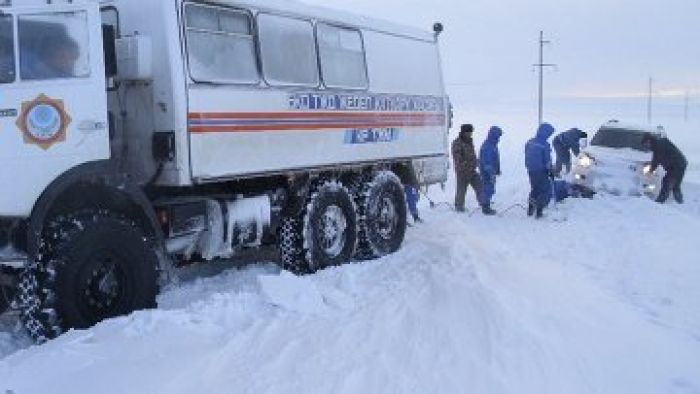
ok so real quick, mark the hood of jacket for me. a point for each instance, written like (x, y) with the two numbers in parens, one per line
(544, 132)
(494, 135)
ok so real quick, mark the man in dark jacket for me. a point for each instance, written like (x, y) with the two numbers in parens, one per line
(464, 158)
(667, 155)
(564, 144)
(538, 161)
(490, 168)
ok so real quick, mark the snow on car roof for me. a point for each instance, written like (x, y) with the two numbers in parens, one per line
(617, 125)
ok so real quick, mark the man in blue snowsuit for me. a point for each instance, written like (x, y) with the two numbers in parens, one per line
(490, 168)
(538, 161)
(408, 177)
(564, 144)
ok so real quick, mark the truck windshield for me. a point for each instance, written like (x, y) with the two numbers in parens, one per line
(53, 46)
(619, 138)
(7, 53)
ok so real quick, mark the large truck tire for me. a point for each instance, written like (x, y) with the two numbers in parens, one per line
(324, 234)
(291, 246)
(382, 215)
(94, 267)
(330, 226)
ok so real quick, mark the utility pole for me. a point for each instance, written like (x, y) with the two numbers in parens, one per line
(542, 65)
(649, 101)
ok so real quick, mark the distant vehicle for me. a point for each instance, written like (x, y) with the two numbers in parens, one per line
(615, 162)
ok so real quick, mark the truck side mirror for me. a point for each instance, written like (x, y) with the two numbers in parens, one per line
(109, 37)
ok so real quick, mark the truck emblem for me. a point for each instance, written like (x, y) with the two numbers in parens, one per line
(43, 121)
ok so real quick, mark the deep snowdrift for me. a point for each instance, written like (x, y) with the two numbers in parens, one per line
(604, 300)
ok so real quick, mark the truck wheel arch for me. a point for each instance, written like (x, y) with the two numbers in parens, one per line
(108, 188)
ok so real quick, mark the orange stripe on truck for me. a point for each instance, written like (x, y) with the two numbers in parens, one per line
(222, 122)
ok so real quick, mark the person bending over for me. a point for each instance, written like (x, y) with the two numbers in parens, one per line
(668, 156)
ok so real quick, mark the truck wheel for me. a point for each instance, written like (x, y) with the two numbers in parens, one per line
(330, 226)
(291, 246)
(95, 267)
(382, 216)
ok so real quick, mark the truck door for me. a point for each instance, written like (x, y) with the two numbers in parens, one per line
(53, 105)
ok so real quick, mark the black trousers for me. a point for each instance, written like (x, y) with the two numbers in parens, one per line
(563, 157)
(672, 182)
(463, 182)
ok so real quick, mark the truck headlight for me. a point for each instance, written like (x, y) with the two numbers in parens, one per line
(585, 161)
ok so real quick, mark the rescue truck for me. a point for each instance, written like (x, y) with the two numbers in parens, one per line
(141, 135)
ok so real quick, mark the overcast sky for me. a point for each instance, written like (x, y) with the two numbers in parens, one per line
(603, 48)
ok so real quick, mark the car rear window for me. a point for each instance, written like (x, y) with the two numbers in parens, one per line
(619, 138)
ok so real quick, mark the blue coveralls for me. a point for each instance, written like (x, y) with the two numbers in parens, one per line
(489, 165)
(412, 200)
(564, 144)
(538, 161)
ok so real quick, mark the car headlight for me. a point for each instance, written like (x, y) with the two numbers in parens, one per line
(585, 161)
(647, 169)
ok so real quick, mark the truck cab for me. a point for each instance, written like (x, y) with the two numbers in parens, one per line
(53, 106)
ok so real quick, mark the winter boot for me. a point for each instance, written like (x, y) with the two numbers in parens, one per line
(663, 193)
(530, 209)
(487, 210)
(678, 195)
(539, 214)
(417, 219)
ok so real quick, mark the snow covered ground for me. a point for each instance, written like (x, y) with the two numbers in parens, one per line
(605, 301)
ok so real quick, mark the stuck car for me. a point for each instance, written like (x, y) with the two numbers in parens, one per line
(616, 162)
